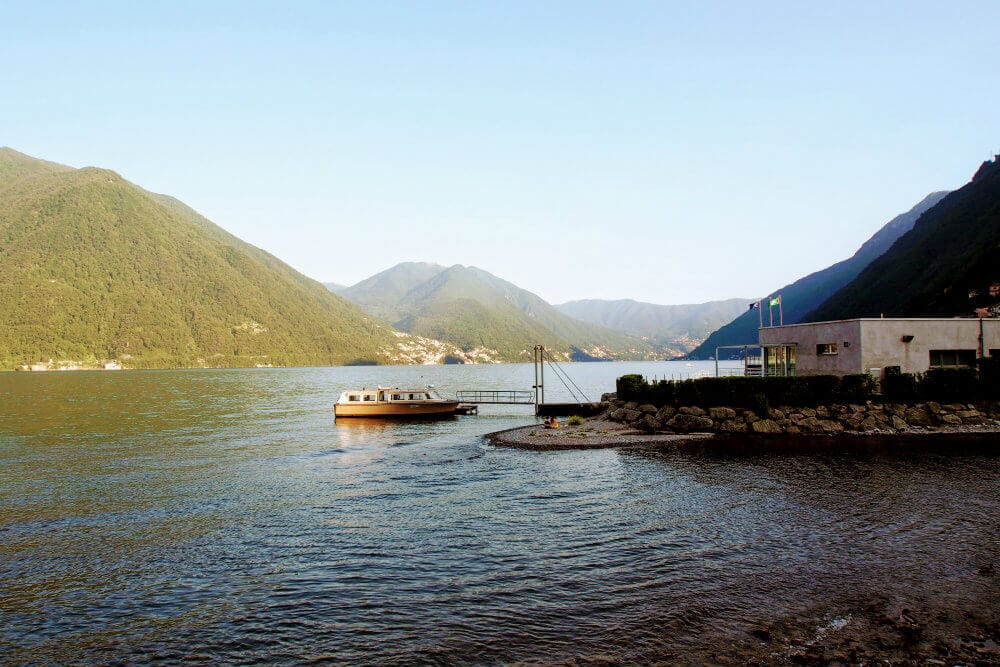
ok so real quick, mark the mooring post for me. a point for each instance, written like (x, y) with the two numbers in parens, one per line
(535, 359)
(541, 365)
(539, 376)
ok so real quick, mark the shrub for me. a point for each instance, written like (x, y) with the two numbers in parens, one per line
(686, 393)
(949, 384)
(899, 386)
(748, 392)
(575, 420)
(856, 388)
(759, 404)
(989, 377)
(631, 387)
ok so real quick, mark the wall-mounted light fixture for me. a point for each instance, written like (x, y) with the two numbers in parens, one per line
(847, 343)
(907, 338)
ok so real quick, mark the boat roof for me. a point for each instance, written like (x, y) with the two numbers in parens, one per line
(395, 390)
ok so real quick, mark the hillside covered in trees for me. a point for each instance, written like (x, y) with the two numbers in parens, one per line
(805, 294)
(678, 328)
(95, 268)
(482, 314)
(947, 265)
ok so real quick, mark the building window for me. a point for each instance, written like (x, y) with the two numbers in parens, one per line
(779, 361)
(823, 349)
(953, 358)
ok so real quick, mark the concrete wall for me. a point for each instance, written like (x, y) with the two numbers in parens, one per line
(882, 340)
(845, 333)
(866, 344)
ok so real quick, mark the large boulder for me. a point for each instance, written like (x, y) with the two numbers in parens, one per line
(970, 416)
(685, 423)
(648, 424)
(918, 416)
(632, 416)
(766, 426)
(733, 426)
(722, 413)
(665, 413)
(831, 426)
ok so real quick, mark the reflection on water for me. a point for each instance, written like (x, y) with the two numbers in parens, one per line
(224, 515)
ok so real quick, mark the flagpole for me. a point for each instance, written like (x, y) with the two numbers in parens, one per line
(781, 316)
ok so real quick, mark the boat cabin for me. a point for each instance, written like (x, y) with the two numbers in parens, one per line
(385, 395)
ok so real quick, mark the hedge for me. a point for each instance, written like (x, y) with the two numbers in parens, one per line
(959, 384)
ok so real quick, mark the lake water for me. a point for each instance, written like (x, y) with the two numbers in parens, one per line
(223, 516)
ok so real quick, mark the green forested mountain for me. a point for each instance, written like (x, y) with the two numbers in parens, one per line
(805, 294)
(944, 266)
(95, 268)
(474, 309)
(383, 295)
(680, 327)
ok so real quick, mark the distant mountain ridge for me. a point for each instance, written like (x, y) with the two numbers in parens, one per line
(485, 315)
(680, 327)
(805, 294)
(947, 264)
(95, 268)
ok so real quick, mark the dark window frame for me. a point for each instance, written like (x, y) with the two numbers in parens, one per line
(961, 358)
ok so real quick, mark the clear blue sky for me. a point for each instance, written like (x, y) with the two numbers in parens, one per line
(667, 152)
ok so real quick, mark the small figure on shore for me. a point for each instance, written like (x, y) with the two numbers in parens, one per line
(551, 422)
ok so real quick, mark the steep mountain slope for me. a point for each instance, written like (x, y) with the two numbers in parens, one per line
(944, 266)
(805, 294)
(382, 295)
(93, 267)
(476, 310)
(681, 327)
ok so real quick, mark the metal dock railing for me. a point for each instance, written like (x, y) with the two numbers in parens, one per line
(497, 396)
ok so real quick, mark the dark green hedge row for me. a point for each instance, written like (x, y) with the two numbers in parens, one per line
(748, 392)
(946, 384)
(960, 384)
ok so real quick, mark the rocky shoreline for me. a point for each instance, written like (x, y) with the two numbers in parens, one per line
(628, 424)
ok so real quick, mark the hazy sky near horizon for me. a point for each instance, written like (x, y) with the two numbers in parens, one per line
(666, 152)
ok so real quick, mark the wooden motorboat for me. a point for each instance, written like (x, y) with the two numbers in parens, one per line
(386, 402)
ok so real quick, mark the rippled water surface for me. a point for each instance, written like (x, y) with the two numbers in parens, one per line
(224, 516)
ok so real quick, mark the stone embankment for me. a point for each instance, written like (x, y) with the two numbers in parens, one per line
(870, 417)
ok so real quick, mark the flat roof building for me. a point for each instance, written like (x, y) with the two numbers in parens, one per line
(869, 345)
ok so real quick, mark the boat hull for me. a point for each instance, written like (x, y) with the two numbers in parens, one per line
(396, 409)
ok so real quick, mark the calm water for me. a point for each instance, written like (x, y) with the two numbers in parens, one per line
(224, 516)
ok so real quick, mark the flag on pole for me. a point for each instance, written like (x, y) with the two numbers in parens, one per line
(775, 301)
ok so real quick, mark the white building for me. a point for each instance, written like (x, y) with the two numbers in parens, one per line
(869, 345)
